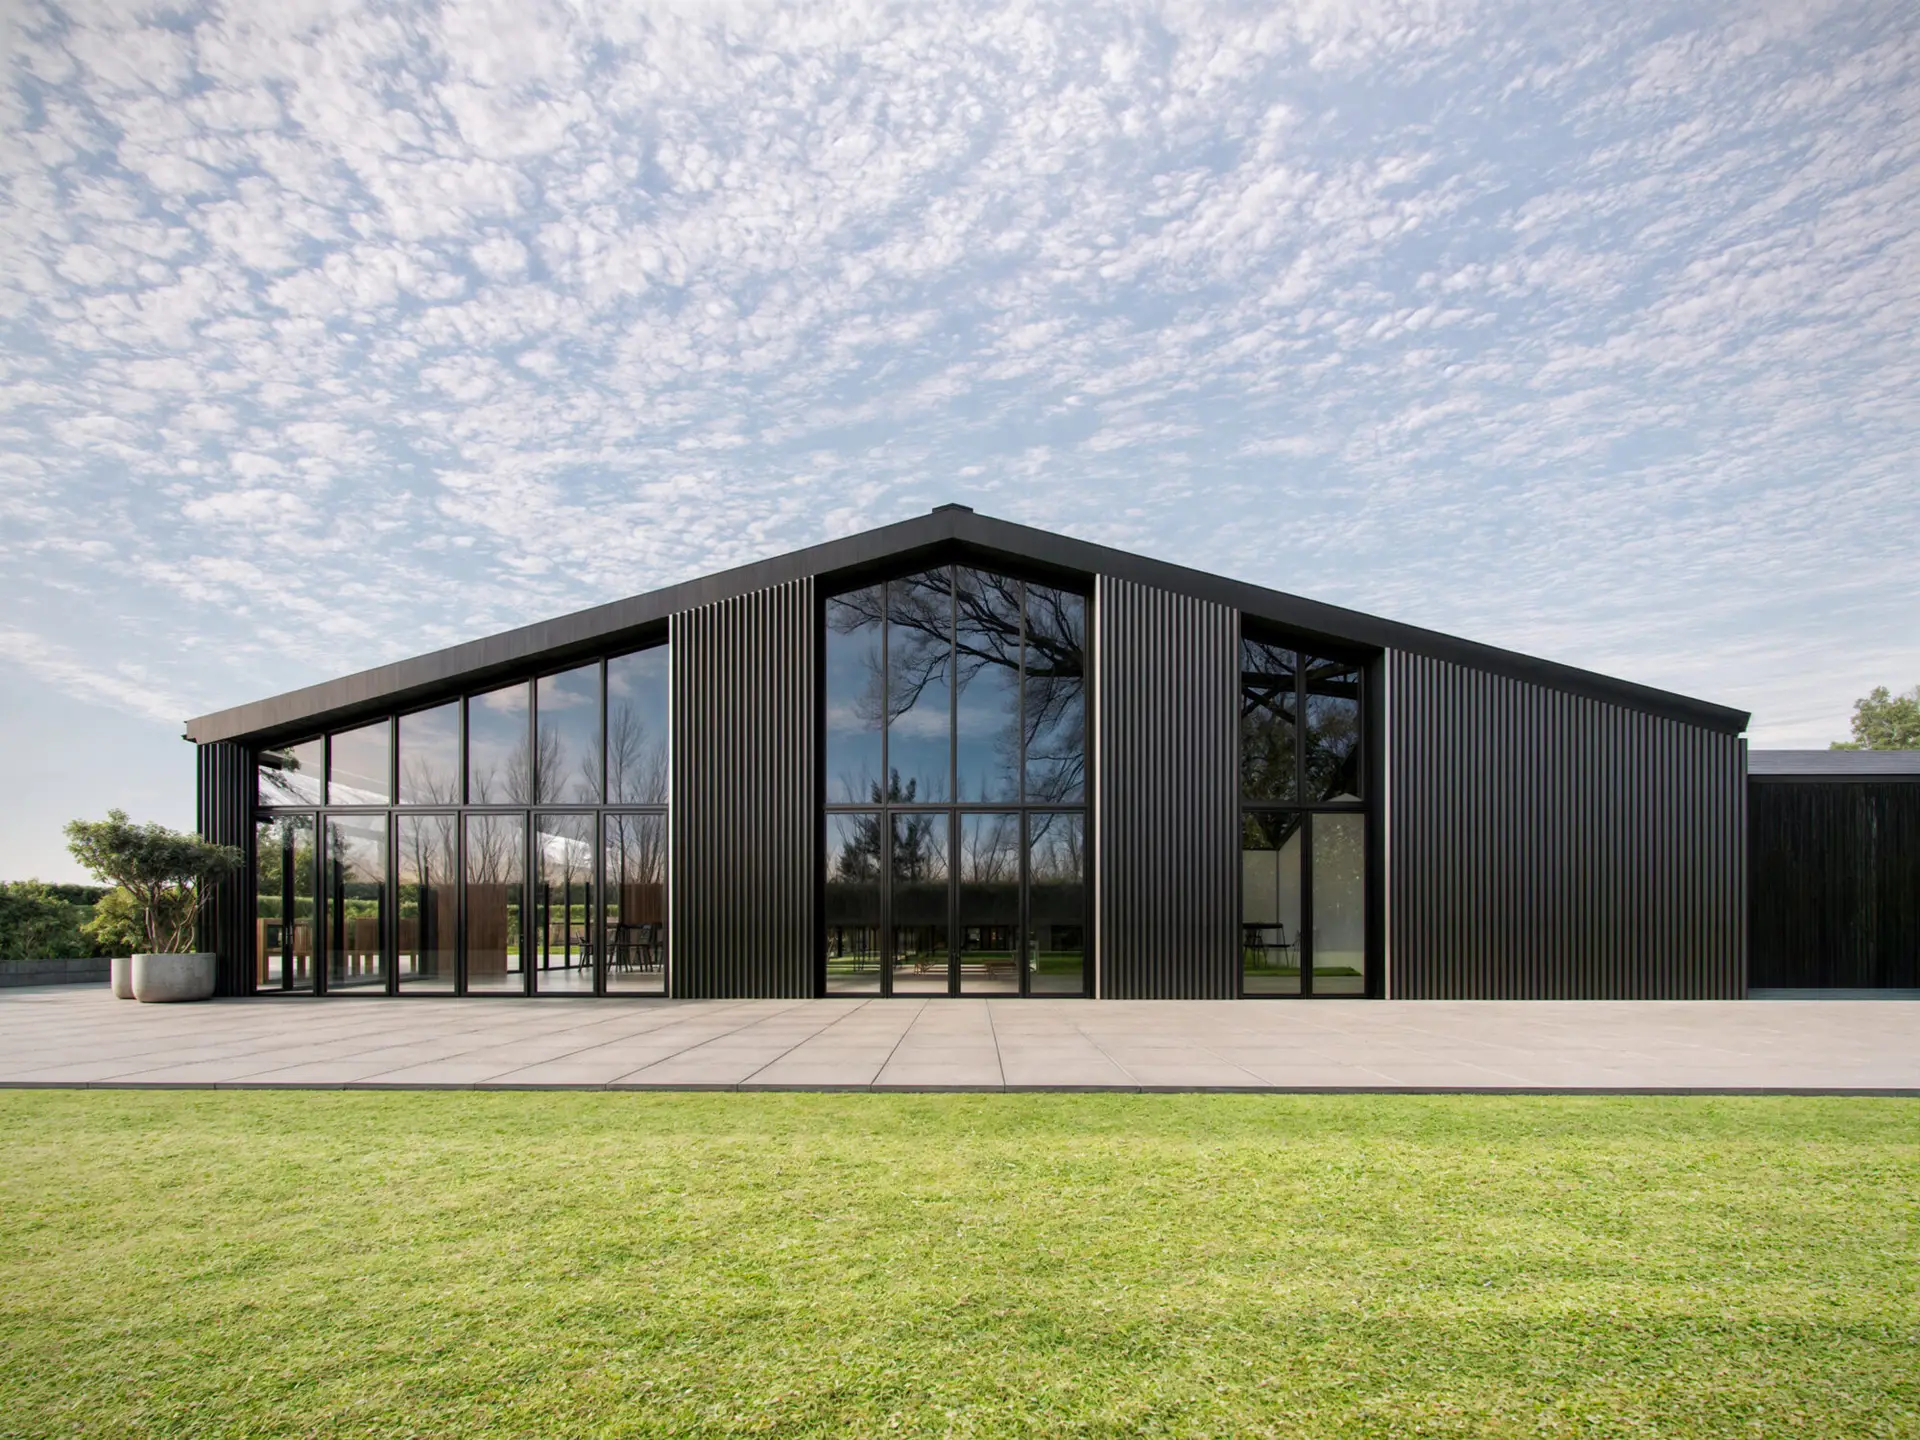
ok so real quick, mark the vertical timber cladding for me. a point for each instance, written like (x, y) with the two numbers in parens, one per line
(1836, 884)
(225, 803)
(1166, 794)
(743, 820)
(1544, 845)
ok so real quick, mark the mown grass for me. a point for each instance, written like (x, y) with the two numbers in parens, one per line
(465, 1264)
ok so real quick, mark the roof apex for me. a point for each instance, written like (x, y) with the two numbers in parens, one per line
(950, 531)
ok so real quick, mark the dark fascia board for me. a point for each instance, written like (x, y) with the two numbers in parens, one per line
(1850, 767)
(950, 532)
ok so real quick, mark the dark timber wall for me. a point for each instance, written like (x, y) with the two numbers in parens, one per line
(744, 823)
(225, 794)
(1836, 883)
(1166, 794)
(1543, 845)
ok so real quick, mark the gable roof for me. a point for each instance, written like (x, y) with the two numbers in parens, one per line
(950, 532)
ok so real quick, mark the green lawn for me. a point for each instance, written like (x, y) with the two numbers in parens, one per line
(461, 1264)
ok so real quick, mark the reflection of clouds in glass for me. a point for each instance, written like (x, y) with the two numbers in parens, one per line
(923, 722)
(430, 756)
(514, 697)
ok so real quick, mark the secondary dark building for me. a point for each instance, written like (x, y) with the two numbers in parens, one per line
(960, 756)
(1835, 841)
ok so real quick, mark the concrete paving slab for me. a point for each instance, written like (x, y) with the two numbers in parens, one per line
(80, 1036)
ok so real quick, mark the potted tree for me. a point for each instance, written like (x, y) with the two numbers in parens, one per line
(164, 872)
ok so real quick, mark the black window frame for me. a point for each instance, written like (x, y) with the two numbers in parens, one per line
(1367, 767)
(461, 808)
(1025, 806)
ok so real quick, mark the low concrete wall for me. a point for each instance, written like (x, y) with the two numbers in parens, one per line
(52, 972)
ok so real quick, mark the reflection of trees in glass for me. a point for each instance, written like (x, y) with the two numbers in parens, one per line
(567, 747)
(1059, 849)
(424, 783)
(495, 783)
(920, 616)
(919, 847)
(1053, 707)
(1268, 722)
(859, 857)
(426, 858)
(972, 619)
(430, 756)
(638, 725)
(1332, 755)
(636, 758)
(493, 850)
(847, 614)
(990, 850)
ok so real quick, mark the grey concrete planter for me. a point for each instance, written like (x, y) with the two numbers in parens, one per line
(120, 976)
(173, 977)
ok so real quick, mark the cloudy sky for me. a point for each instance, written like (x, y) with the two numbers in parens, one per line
(332, 334)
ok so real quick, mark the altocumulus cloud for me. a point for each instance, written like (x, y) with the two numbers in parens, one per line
(334, 332)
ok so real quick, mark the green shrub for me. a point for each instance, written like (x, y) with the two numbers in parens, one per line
(36, 923)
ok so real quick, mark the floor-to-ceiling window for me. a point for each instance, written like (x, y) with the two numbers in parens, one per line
(1303, 847)
(956, 752)
(508, 841)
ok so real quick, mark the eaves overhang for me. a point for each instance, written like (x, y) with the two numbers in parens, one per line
(950, 532)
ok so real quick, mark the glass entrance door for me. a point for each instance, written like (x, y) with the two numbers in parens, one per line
(286, 871)
(919, 958)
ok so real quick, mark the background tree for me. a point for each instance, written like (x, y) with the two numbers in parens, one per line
(164, 870)
(1885, 722)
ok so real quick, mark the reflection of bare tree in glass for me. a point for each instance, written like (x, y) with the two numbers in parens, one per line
(493, 850)
(1333, 729)
(1053, 711)
(859, 859)
(987, 646)
(1268, 723)
(636, 759)
(990, 850)
(1059, 844)
(920, 609)
(981, 617)
(425, 783)
(512, 784)
(427, 850)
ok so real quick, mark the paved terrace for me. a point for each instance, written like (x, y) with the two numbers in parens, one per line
(81, 1036)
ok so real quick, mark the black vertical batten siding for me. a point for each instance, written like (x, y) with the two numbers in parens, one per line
(1545, 845)
(744, 819)
(225, 804)
(1836, 884)
(1166, 794)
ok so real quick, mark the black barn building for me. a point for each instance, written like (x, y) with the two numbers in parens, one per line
(961, 756)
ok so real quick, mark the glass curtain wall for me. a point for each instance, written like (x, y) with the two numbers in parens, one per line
(1303, 849)
(417, 853)
(955, 758)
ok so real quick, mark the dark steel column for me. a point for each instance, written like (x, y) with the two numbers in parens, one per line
(225, 805)
(745, 817)
(1544, 845)
(1165, 794)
